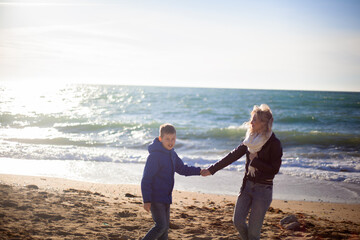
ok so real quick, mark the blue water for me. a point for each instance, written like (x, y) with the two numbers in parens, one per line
(320, 131)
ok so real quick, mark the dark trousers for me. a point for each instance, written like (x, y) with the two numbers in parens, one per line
(161, 215)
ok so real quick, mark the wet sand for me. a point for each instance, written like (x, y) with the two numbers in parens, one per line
(55, 208)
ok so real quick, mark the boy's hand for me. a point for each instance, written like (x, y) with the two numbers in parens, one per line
(147, 206)
(205, 172)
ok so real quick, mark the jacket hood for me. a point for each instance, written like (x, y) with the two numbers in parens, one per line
(156, 146)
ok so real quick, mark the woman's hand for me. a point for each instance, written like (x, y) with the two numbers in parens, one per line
(147, 206)
(205, 172)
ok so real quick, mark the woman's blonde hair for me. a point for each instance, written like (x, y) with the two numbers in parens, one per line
(264, 114)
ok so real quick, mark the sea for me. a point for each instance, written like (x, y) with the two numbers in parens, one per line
(100, 133)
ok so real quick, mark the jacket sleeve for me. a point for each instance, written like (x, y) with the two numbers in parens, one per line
(274, 164)
(184, 169)
(228, 159)
(151, 168)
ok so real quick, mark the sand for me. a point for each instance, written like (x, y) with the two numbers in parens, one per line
(54, 208)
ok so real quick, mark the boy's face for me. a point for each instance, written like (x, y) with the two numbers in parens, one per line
(168, 141)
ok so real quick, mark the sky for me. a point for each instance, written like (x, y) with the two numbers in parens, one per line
(296, 45)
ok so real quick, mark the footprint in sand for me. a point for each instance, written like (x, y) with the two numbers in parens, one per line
(130, 228)
(52, 217)
(8, 203)
(125, 214)
(195, 231)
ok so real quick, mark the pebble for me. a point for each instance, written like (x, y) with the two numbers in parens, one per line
(288, 219)
(290, 223)
(32, 187)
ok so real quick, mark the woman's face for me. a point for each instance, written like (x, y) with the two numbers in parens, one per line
(256, 124)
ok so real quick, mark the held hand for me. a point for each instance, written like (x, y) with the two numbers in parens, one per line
(147, 206)
(205, 172)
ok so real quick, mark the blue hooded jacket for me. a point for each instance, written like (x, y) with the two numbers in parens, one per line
(158, 179)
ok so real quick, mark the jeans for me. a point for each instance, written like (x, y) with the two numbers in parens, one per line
(257, 198)
(161, 215)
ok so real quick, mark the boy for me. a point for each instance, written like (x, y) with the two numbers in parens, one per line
(158, 180)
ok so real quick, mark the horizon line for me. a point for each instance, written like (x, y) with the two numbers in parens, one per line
(179, 86)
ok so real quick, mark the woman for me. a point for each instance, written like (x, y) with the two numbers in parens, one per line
(263, 159)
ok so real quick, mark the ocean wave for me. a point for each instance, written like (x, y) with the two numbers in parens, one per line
(328, 154)
(70, 153)
(37, 120)
(322, 175)
(56, 141)
(214, 133)
(327, 165)
(324, 139)
(287, 138)
(230, 132)
(85, 127)
(116, 133)
(297, 119)
(331, 169)
(92, 127)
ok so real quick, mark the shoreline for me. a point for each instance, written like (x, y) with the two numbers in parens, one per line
(45, 207)
(227, 182)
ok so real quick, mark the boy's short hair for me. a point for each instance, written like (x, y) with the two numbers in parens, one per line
(166, 128)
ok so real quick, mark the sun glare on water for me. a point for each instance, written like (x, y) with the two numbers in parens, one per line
(34, 99)
(31, 110)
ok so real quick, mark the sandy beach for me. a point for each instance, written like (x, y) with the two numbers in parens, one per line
(55, 208)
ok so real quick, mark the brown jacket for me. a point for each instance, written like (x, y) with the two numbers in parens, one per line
(267, 163)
